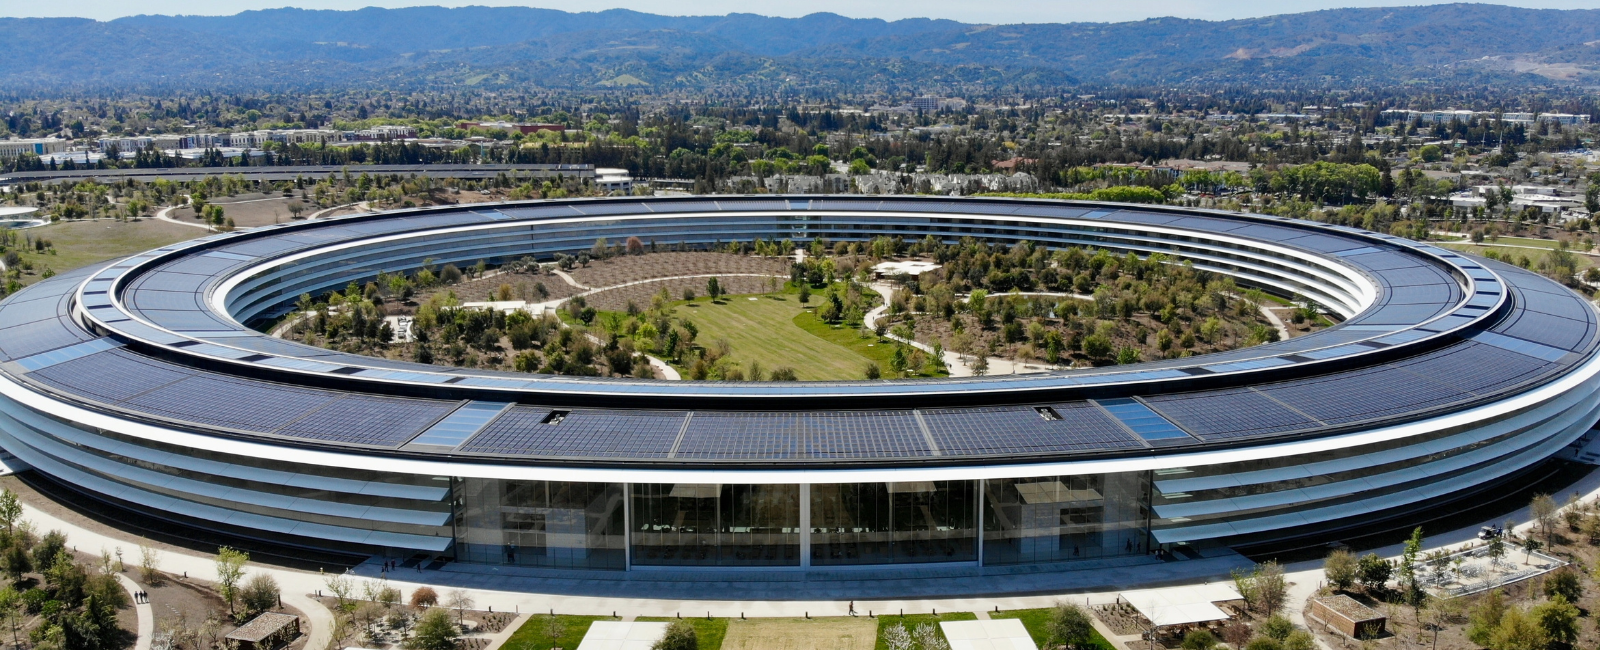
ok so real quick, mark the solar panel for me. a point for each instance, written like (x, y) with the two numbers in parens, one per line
(588, 434)
(1554, 331)
(232, 403)
(1361, 395)
(1232, 413)
(1081, 427)
(368, 420)
(855, 434)
(110, 376)
(29, 339)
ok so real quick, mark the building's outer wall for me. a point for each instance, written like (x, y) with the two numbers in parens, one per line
(969, 510)
(621, 525)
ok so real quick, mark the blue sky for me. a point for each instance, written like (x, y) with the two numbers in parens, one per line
(993, 11)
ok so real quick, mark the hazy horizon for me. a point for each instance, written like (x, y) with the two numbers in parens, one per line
(1005, 11)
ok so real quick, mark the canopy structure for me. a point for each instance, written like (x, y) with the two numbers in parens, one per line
(1000, 634)
(1182, 605)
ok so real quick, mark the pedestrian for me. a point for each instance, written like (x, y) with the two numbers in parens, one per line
(852, 608)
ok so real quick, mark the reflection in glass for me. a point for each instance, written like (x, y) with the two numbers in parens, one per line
(540, 523)
(888, 523)
(716, 525)
(1065, 517)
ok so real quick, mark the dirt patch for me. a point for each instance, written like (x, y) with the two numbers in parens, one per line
(858, 633)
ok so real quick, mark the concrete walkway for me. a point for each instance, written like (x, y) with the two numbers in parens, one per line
(165, 214)
(147, 616)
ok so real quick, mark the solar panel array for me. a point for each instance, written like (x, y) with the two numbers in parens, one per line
(1014, 430)
(1230, 413)
(580, 434)
(818, 435)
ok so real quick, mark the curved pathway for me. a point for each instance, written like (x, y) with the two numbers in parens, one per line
(165, 214)
(147, 616)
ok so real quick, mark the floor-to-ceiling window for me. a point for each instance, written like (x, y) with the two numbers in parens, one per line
(716, 525)
(1055, 518)
(889, 523)
(540, 523)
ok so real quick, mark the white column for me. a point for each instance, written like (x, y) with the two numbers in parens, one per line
(805, 525)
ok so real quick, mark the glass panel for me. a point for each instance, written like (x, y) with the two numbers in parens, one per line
(694, 524)
(540, 523)
(1065, 517)
(891, 523)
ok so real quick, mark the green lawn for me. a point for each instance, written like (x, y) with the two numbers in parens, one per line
(708, 632)
(81, 243)
(866, 344)
(764, 329)
(534, 634)
(1038, 623)
(911, 621)
(1584, 261)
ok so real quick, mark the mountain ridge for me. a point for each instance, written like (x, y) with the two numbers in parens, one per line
(548, 48)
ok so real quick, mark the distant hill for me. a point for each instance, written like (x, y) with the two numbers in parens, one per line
(489, 46)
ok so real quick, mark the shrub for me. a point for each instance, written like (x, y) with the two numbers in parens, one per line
(680, 636)
(1069, 625)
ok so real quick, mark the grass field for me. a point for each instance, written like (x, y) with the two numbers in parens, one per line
(1038, 623)
(80, 243)
(534, 634)
(911, 621)
(1584, 261)
(764, 329)
(708, 632)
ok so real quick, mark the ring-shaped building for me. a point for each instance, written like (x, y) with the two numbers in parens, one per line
(142, 384)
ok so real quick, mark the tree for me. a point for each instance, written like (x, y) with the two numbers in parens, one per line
(1342, 569)
(15, 562)
(713, 288)
(1375, 572)
(44, 553)
(149, 565)
(1558, 619)
(1564, 583)
(10, 510)
(434, 631)
(1070, 626)
(230, 568)
(680, 636)
(259, 594)
(341, 587)
(1199, 640)
(1409, 582)
(1485, 617)
(11, 613)
(1530, 546)
(897, 638)
(1518, 631)
(459, 600)
(1543, 508)
(1497, 547)
(424, 597)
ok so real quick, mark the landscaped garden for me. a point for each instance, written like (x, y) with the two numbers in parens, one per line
(759, 311)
